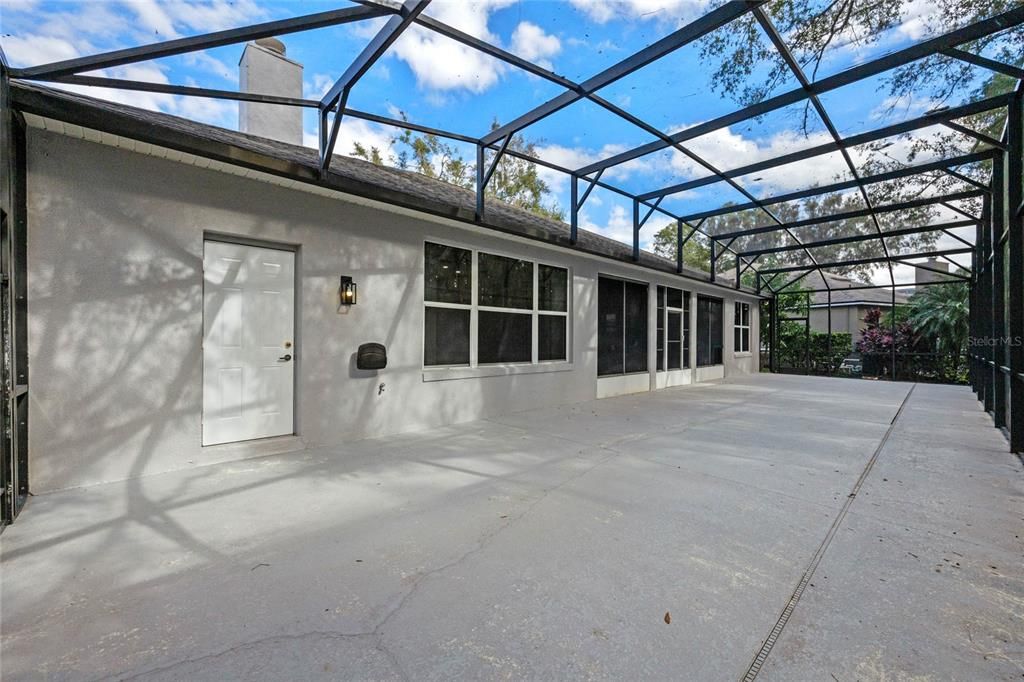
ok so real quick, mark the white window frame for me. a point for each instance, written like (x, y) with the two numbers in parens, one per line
(738, 324)
(475, 368)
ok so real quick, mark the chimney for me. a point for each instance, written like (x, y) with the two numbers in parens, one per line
(264, 69)
(922, 276)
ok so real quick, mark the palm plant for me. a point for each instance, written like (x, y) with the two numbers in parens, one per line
(940, 315)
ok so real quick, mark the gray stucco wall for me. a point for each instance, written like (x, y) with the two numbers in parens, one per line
(849, 319)
(115, 313)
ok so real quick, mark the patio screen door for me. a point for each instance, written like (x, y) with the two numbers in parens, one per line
(248, 351)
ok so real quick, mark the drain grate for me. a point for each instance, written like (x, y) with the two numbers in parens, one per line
(773, 636)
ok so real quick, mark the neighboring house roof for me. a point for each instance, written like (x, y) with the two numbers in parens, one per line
(353, 176)
(838, 283)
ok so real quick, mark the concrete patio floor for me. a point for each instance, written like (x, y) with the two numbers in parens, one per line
(550, 545)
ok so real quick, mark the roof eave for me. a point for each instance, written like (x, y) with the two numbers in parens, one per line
(77, 111)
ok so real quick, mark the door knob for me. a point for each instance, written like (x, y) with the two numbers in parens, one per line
(284, 358)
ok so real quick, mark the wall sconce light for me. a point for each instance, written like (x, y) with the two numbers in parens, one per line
(347, 291)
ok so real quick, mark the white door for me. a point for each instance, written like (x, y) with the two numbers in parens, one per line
(248, 349)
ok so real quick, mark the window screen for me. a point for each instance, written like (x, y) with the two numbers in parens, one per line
(686, 330)
(446, 336)
(609, 326)
(636, 327)
(448, 274)
(504, 337)
(709, 331)
(551, 337)
(675, 343)
(660, 346)
(505, 282)
(552, 285)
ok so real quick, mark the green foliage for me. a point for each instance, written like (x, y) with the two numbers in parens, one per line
(747, 68)
(696, 252)
(793, 340)
(515, 181)
(940, 314)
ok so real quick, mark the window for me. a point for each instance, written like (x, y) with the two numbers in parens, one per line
(709, 331)
(686, 329)
(673, 329)
(621, 327)
(660, 344)
(553, 313)
(519, 309)
(741, 328)
(448, 280)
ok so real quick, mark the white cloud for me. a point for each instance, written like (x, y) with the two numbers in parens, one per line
(319, 86)
(442, 64)
(212, 15)
(603, 11)
(917, 15)
(165, 17)
(153, 17)
(619, 225)
(207, 62)
(530, 42)
(20, 5)
(906, 105)
(30, 50)
(354, 130)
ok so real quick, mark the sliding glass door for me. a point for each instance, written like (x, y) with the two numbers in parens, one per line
(621, 327)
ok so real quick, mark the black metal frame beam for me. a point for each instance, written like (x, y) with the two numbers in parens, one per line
(941, 117)
(896, 174)
(1014, 205)
(986, 63)
(783, 50)
(861, 213)
(336, 96)
(893, 60)
(206, 41)
(14, 370)
(852, 239)
(866, 261)
(406, 14)
(909, 285)
(500, 144)
(670, 43)
(185, 90)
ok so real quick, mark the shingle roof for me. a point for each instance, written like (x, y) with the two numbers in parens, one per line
(346, 174)
(839, 283)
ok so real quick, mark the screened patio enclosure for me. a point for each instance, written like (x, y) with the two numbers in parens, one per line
(965, 193)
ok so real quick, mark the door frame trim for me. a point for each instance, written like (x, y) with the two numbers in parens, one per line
(243, 240)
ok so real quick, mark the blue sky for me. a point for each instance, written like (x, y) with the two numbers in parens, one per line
(440, 83)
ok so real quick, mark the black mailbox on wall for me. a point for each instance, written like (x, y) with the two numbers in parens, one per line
(372, 356)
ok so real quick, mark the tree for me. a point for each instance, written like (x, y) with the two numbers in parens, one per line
(748, 69)
(696, 252)
(940, 314)
(814, 27)
(515, 181)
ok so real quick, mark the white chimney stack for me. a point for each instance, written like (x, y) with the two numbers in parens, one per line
(923, 276)
(264, 69)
